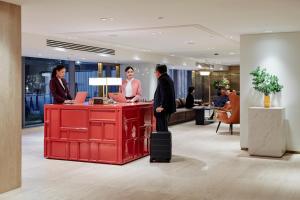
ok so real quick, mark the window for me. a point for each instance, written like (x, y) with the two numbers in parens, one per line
(36, 92)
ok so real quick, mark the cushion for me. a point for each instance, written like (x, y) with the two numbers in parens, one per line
(182, 102)
(178, 103)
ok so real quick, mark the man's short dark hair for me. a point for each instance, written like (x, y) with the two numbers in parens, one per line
(161, 68)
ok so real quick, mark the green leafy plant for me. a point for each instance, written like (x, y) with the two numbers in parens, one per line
(221, 83)
(265, 82)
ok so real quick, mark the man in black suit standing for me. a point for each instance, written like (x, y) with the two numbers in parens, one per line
(164, 98)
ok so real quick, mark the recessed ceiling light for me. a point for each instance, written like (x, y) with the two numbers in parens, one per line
(106, 18)
(268, 31)
(172, 55)
(59, 49)
(156, 33)
(232, 53)
(191, 42)
(230, 37)
(136, 58)
(113, 35)
(103, 55)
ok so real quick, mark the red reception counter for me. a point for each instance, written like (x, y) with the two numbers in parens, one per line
(113, 134)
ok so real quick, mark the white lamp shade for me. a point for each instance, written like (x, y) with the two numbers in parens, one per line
(204, 73)
(114, 81)
(97, 81)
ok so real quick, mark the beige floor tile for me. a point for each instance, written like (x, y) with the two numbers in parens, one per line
(205, 166)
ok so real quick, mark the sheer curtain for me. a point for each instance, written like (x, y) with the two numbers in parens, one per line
(182, 81)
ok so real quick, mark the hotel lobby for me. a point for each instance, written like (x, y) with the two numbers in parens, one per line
(244, 147)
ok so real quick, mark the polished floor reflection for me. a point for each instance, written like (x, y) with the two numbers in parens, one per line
(205, 166)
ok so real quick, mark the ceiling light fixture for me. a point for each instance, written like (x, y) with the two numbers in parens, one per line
(156, 33)
(184, 64)
(268, 31)
(191, 42)
(232, 53)
(113, 35)
(106, 18)
(204, 73)
(136, 58)
(103, 55)
(172, 55)
(59, 49)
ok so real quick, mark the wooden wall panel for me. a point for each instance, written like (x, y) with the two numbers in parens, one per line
(10, 96)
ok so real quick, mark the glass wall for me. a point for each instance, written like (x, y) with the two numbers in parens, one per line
(36, 78)
(84, 71)
(36, 93)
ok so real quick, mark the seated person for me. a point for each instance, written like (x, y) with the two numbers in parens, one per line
(222, 99)
(190, 98)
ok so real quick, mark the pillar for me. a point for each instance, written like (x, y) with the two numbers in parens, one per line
(10, 96)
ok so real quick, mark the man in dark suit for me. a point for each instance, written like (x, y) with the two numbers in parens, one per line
(164, 98)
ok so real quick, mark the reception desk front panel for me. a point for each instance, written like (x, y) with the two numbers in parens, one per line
(114, 134)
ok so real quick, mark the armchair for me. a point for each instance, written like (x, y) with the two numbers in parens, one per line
(231, 114)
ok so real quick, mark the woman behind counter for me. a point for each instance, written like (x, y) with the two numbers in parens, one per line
(131, 87)
(58, 86)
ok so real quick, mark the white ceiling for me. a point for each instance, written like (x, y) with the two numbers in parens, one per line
(193, 29)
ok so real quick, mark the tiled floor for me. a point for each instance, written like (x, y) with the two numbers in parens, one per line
(205, 166)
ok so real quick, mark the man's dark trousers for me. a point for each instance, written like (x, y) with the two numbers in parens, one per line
(162, 120)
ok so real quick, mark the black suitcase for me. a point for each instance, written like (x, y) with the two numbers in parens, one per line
(160, 147)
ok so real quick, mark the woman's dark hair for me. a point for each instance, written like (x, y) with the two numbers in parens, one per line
(161, 68)
(128, 68)
(57, 68)
(191, 89)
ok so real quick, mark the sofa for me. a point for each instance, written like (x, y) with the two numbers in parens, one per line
(182, 114)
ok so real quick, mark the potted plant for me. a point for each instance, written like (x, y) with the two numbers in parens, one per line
(265, 83)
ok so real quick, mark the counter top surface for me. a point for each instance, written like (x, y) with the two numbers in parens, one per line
(86, 105)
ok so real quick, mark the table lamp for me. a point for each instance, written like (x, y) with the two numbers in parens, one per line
(207, 73)
(98, 82)
(112, 82)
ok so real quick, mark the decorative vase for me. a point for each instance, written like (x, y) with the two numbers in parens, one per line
(267, 101)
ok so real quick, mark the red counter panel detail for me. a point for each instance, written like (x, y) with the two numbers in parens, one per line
(113, 134)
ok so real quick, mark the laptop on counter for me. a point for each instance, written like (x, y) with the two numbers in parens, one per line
(80, 97)
(118, 97)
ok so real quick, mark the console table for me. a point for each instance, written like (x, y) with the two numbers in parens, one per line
(266, 132)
